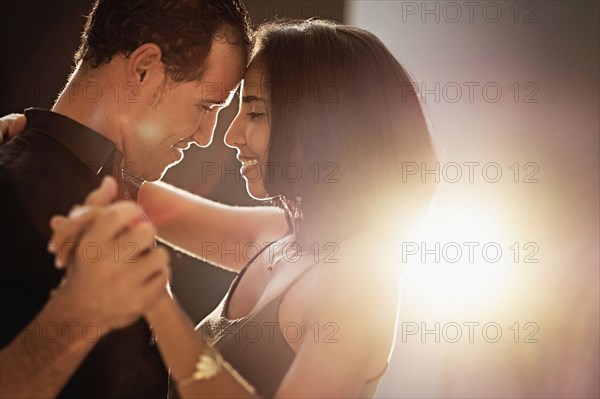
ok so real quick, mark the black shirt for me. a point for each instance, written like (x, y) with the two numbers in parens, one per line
(53, 165)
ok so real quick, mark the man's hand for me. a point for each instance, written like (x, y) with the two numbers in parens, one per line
(11, 125)
(68, 228)
(115, 272)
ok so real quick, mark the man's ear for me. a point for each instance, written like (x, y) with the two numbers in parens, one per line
(145, 64)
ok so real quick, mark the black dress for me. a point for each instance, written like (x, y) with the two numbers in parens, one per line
(255, 345)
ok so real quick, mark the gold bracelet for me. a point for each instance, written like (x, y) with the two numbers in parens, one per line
(208, 365)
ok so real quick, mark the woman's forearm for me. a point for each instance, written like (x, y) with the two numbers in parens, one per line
(223, 235)
(180, 347)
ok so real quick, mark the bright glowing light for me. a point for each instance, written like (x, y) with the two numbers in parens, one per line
(457, 262)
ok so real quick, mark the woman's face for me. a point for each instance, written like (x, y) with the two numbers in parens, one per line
(249, 132)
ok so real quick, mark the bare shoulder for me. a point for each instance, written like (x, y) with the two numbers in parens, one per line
(357, 271)
(356, 295)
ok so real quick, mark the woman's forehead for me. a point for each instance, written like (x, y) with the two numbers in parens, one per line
(254, 81)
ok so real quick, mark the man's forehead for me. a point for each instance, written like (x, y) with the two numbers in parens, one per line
(216, 93)
(224, 70)
(225, 62)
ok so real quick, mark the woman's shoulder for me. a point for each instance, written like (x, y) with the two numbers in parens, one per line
(352, 298)
(358, 261)
(360, 273)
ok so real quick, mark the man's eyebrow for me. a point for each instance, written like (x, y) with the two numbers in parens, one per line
(215, 102)
(252, 99)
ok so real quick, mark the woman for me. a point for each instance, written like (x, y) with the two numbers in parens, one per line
(328, 120)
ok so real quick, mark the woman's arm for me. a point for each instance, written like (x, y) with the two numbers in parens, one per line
(347, 313)
(347, 330)
(180, 346)
(226, 236)
(223, 235)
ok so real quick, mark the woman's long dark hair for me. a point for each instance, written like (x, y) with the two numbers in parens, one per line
(344, 114)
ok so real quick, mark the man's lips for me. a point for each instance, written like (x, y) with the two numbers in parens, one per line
(183, 144)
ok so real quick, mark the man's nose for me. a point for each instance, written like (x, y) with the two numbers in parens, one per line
(204, 134)
(199, 139)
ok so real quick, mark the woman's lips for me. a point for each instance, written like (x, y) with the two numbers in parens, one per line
(248, 164)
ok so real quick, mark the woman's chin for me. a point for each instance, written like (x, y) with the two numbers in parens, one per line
(258, 193)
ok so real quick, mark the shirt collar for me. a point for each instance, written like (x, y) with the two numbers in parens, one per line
(93, 149)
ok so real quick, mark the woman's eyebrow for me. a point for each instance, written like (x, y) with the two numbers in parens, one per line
(252, 99)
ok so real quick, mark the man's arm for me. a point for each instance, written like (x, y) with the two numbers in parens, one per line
(41, 359)
(42, 344)
(99, 294)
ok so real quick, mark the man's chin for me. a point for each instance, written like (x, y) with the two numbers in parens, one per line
(153, 176)
(157, 173)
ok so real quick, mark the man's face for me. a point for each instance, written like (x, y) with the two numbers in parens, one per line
(179, 114)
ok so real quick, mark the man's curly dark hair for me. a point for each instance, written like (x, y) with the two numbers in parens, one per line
(183, 29)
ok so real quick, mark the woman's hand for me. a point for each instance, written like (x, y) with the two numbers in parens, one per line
(68, 228)
(11, 125)
(113, 266)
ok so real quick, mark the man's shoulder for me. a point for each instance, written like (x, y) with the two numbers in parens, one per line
(25, 151)
(40, 178)
(33, 159)
(11, 150)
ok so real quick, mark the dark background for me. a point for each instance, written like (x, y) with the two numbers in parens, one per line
(38, 40)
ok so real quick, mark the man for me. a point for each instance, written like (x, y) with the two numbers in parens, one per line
(149, 81)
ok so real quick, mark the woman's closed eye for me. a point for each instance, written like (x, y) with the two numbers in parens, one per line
(254, 115)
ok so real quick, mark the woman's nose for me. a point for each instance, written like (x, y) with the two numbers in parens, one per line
(234, 136)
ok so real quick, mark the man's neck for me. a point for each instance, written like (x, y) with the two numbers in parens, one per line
(85, 101)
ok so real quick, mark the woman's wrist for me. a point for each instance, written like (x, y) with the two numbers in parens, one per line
(162, 306)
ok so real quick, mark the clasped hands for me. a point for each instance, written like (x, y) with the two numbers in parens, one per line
(11, 126)
(114, 271)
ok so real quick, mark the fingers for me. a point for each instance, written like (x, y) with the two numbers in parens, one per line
(155, 288)
(57, 222)
(103, 195)
(7, 128)
(18, 125)
(3, 131)
(113, 220)
(153, 264)
(140, 238)
(69, 230)
(99, 225)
